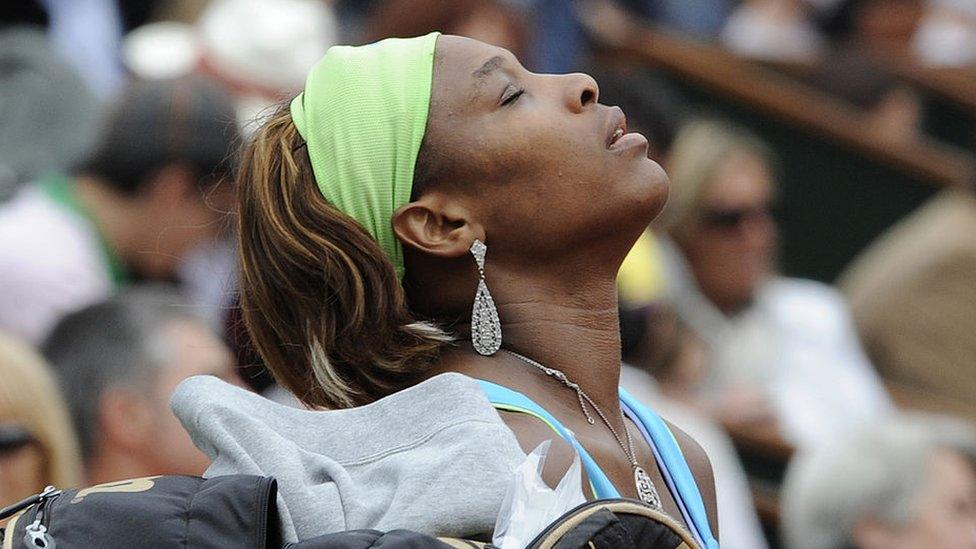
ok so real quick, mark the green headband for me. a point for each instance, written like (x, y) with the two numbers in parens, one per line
(363, 115)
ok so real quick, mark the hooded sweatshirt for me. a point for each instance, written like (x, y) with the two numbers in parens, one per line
(435, 458)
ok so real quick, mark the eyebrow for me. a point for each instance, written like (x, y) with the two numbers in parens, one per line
(489, 66)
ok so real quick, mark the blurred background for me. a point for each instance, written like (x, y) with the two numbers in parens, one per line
(812, 279)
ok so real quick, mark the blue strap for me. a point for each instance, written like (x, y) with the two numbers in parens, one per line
(676, 466)
(662, 440)
(507, 399)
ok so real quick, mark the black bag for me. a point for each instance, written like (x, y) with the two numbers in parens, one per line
(241, 511)
(234, 511)
(152, 512)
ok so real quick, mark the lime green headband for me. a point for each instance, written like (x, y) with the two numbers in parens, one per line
(363, 114)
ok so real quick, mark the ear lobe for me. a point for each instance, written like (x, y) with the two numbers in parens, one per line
(436, 227)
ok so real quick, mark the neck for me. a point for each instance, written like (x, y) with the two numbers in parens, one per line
(568, 325)
(112, 214)
(111, 464)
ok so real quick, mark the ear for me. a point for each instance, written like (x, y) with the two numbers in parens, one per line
(437, 225)
(125, 420)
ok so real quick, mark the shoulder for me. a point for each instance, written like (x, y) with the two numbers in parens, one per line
(530, 433)
(701, 468)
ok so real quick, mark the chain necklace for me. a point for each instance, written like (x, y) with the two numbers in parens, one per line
(645, 486)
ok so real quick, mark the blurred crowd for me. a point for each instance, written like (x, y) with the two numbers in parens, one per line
(119, 121)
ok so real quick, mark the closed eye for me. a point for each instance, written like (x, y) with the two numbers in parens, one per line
(513, 97)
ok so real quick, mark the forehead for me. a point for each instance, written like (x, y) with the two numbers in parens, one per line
(462, 68)
(742, 177)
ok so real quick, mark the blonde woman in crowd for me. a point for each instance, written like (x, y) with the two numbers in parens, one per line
(783, 350)
(37, 445)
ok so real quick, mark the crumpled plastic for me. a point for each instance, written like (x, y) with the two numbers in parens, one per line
(530, 506)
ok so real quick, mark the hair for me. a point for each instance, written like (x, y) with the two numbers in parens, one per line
(119, 342)
(188, 121)
(321, 300)
(29, 397)
(664, 337)
(700, 147)
(877, 473)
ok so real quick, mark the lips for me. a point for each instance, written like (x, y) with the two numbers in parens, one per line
(617, 126)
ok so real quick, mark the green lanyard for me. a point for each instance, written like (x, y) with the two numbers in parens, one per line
(61, 191)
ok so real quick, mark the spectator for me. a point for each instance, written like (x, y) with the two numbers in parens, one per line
(50, 117)
(892, 108)
(496, 22)
(119, 361)
(908, 483)
(914, 302)
(947, 34)
(773, 29)
(148, 195)
(37, 444)
(781, 349)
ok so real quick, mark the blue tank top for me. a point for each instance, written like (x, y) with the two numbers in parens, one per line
(674, 469)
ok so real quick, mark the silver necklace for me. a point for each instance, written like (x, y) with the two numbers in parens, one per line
(645, 486)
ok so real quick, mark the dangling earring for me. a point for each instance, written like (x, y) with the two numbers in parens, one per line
(486, 330)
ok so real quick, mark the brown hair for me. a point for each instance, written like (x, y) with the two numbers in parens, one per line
(321, 300)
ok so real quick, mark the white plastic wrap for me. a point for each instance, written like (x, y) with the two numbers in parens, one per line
(530, 505)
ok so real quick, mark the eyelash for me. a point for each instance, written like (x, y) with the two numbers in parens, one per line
(513, 97)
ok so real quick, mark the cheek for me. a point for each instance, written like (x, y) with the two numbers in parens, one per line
(21, 473)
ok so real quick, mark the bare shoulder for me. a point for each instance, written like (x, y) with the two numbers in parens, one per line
(531, 432)
(701, 467)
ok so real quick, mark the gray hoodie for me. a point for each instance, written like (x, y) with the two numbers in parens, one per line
(434, 458)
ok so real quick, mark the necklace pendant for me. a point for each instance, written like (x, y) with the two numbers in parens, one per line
(645, 488)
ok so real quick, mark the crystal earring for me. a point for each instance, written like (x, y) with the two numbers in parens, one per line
(486, 330)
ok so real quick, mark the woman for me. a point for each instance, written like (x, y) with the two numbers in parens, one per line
(908, 482)
(783, 351)
(37, 443)
(400, 161)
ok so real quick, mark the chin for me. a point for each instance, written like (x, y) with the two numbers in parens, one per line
(653, 187)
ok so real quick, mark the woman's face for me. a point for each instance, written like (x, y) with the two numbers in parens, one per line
(731, 246)
(946, 511)
(537, 160)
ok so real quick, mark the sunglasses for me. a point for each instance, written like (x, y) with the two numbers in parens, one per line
(13, 438)
(730, 219)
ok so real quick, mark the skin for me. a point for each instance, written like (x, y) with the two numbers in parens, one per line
(731, 263)
(21, 472)
(535, 181)
(153, 229)
(141, 436)
(947, 511)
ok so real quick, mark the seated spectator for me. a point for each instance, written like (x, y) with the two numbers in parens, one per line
(784, 347)
(908, 483)
(119, 361)
(40, 131)
(773, 29)
(892, 108)
(148, 195)
(37, 443)
(914, 303)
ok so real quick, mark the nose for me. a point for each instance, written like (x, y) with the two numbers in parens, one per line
(581, 91)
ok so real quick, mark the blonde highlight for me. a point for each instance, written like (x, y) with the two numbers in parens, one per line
(321, 301)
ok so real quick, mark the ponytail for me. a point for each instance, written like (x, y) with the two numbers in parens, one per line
(320, 299)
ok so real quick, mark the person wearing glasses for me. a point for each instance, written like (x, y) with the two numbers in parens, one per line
(37, 444)
(783, 351)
